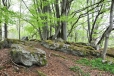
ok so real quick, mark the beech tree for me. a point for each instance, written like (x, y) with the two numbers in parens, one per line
(0, 23)
(6, 4)
(62, 18)
(107, 33)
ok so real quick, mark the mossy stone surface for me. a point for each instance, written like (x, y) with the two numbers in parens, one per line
(80, 48)
(28, 56)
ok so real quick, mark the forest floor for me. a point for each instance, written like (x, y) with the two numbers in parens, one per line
(58, 65)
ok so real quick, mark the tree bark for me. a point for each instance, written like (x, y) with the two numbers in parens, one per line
(6, 4)
(45, 28)
(108, 31)
(57, 29)
(0, 26)
(5, 30)
(65, 7)
(88, 22)
(20, 21)
(105, 47)
(0, 32)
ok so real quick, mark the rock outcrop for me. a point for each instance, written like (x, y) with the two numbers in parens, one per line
(78, 49)
(27, 55)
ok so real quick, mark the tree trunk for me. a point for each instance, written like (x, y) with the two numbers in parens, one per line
(64, 31)
(105, 47)
(108, 31)
(5, 30)
(58, 27)
(88, 22)
(0, 26)
(57, 32)
(65, 7)
(40, 33)
(6, 4)
(0, 33)
(45, 32)
(20, 21)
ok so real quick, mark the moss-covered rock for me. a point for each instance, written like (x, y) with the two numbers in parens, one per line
(28, 56)
(110, 52)
(79, 49)
(6, 43)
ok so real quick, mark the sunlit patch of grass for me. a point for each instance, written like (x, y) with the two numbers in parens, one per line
(97, 63)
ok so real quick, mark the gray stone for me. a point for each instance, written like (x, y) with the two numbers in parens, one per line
(24, 55)
(59, 40)
(25, 38)
(77, 53)
(81, 49)
(45, 44)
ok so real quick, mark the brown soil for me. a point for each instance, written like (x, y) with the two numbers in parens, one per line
(58, 65)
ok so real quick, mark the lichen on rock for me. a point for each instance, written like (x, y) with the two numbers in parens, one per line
(28, 56)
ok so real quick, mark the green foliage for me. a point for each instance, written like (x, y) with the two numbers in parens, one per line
(78, 69)
(97, 63)
(7, 15)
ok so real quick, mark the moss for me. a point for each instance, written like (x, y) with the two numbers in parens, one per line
(28, 48)
(81, 47)
(110, 52)
(89, 47)
(86, 50)
(57, 55)
(2, 67)
(60, 44)
(44, 62)
(16, 41)
(32, 53)
(41, 73)
(50, 42)
(15, 54)
(81, 43)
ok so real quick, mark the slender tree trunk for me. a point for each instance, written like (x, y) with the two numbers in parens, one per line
(108, 31)
(64, 31)
(45, 9)
(88, 22)
(57, 32)
(57, 29)
(0, 26)
(5, 30)
(40, 33)
(65, 7)
(20, 22)
(45, 32)
(0, 32)
(105, 47)
(6, 4)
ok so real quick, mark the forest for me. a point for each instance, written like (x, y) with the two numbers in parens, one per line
(56, 37)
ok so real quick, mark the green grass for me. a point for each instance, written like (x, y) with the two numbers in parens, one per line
(97, 63)
(78, 69)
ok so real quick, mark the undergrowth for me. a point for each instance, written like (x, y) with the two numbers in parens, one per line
(79, 70)
(97, 63)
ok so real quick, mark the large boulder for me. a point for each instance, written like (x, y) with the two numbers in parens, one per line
(27, 55)
(78, 49)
